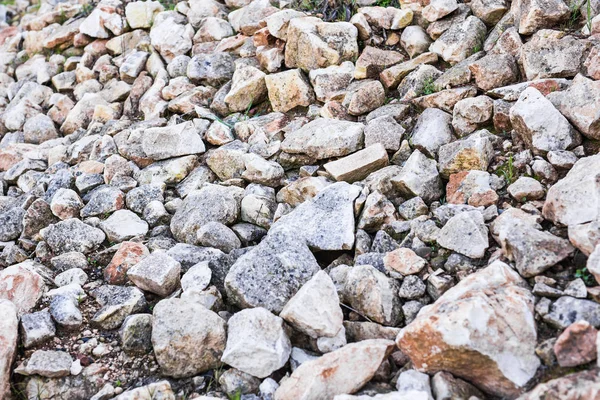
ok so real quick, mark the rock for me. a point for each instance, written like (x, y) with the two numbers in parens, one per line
(73, 275)
(364, 96)
(507, 337)
(39, 129)
(458, 42)
(9, 330)
(568, 387)
(211, 69)
(258, 170)
(325, 138)
(48, 363)
(419, 177)
(414, 383)
(72, 235)
(580, 104)
(247, 88)
(262, 278)
(567, 310)
(217, 235)
(160, 143)
(531, 16)
(157, 273)
(432, 131)
(331, 83)
(312, 43)
(525, 189)
(11, 224)
(576, 345)
(447, 387)
(141, 14)
(22, 285)
(257, 343)
(359, 165)
(128, 254)
(572, 199)
(167, 26)
(289, 89)
(326, 222)
(103, 200)
(36, 328)
(314, 309)
(541, 125)
(64, 305)
(474, 152)
(471, 187)
(66, 204)
(438, 9)
(160, 390)
(342, 371)
(123, 225)
(136, 334)
(415, 40)
(384, 130)
(405, 261)
(550, 54)
(210, 203)
(465, 233)
(186, 337)
(117, 303)
(373, 60)
(373, 294)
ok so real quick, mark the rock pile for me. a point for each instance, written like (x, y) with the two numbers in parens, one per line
(282, 200)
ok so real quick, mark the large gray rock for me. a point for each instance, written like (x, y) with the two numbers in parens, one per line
(36, 328)
(567, 310)
(433, 130)
(419, 177)
(187, 338)
(211, 203)
(326, 222)
(160, 143)
(117, 303)
(541, 125)
(271, 273)
(460, 41)
(325, 138)
(256, 342)
(48, 363)
(574, 199)
(123, 225)
(466, 234)
(157, 273)
(72, 235)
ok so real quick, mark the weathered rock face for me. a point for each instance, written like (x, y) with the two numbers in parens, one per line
(342, 371)
(72, 235)
(494, 311)
(573, 199)
(186, 337)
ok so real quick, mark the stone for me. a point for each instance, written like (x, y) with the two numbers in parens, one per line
(103, 200)
(22, 285)
(314, 309)
(72, 235)
(141, 14)
(404, 261)
(508, 335)
(211, 69)
(576, 345)
(419, 177)
(257, 343)
(39, 129)
(526, 189)
(359, 165)
(475, 152)
(580, 104)
(210, 203)
(325, 138)
(471, 114)
(262, 277)
(567, 310)
(339, 372)
(247, 88)
(160, 390)
(372, 61)
(541, 125)
(64, 305)
(288, 90)
(532, 16)
(157, 273)
(66, 204)
(572, 199)
(384, 130)
(168, 25)
(214, 234)
(9, 335)
(415, 40)
(47, 363)
(447, 387)
(373, 294)
(128, 255)
(160, 143)
(550, 54)
(471, 187)
(432, 130)
(466, 234)
(70, 276)
(364, 96)
(136, 334)
(331, 83)
(11, 224)
(197, 277)
(568, 387)
(261, 171)
(36, 328)
(458, 42)
(117, 303)
(187, 338)
(312, 43)
(123, 225)
(495, 70)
